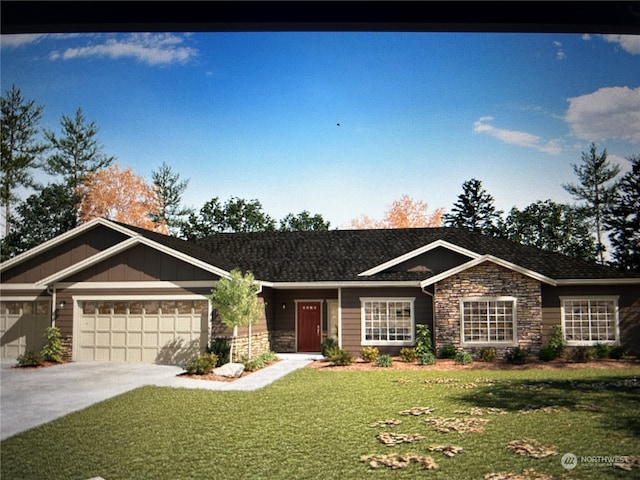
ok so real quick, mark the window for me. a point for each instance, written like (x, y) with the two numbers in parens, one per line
(489, 320)
(387, 321)
(587, 321)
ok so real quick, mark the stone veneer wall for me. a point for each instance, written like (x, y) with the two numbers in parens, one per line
(488, 280)
(283, 341)
(259, 344)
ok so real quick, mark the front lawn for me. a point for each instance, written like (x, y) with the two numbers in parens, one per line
(319, 424)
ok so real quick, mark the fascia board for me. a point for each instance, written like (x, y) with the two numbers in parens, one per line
(419, 251)
(341, 284)
(598, 281)
(492, 259)
(122, 246)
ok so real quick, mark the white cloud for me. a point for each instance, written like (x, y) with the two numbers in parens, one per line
(586, 36)
(560, 55)
(149, 48)
(630, 43)
(20, 39)
(515, 137)
(607, 113)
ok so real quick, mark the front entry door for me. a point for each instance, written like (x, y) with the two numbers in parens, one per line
(309, 326)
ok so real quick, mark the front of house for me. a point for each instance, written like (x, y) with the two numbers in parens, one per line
(122, 294)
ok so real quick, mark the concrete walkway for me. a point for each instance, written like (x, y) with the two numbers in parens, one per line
(30, 398)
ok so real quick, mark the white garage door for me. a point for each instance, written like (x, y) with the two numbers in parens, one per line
(160, 331)
(23, 325)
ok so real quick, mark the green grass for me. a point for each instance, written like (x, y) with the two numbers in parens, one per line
(315, 424)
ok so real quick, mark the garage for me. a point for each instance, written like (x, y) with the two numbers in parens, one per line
(141, 330)
(23, 324)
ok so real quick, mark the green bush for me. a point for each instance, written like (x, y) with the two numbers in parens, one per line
(516, 356)
(53, 350)
(583, 354)
(427, 358)
(340, 356)
(602, 350)
(29, 359)
(408, 355)
(616, 352)
(448, 351)
(488, 354)
(221, 347)
(463, 357)
(201, 365)
(423, 339)
(370, 354)
(557, 343)
(327, 345)
(261, 361)
(547, 353)
(384, 361)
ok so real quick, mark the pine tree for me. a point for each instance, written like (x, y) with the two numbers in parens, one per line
(20, 148)
(595, 189)
(623, 219)
(170, 188)
(474, 210)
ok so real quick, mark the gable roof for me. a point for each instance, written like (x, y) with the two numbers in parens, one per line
(368, 255)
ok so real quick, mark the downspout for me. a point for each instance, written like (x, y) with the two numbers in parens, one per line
(340, 317)
(433, 314)
(54, 304)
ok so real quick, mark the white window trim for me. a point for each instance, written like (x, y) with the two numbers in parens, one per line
(590, 343)
(504, 343)
(383, 343)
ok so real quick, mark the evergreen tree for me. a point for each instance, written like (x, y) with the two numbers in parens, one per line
(623, 219)
(77, 151)
(474, 210)
(170, 189)
(595, 190)
(551, 226)
(20, 148)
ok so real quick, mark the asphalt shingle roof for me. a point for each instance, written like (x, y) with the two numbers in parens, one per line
(340, 255)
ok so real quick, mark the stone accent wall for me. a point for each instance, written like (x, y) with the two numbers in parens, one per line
(283, 341)
(67, 345)
(488, 280)
(259, 344)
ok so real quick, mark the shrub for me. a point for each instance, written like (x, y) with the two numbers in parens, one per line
(516, 355)
(327, 345)
(547, 353)
(427, 358)
(29, 359)
(220, 346)
(261, 361)
(448, 351)
(53, 349)
(370, 354)
(488, 354)
(557, 343)
(463, 357)
(423, 339)
(201, 365)
(602, 350)
(408, 355)
(384, 361)
(340, 356)
(583, 354)
(617, 352)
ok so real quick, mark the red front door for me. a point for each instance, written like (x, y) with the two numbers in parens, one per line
(309, 326)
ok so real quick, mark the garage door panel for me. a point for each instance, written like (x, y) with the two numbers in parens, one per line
(156, 334)
(22, 326)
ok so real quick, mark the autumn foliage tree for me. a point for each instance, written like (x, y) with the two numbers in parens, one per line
(402, 213)
(122, 196)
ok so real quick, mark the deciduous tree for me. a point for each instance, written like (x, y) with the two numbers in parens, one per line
(402, 213)
(20, 146)
(304, 221)
(474, 210)
(595, 189)
(77, 152)
(623, 219)
(119, 195)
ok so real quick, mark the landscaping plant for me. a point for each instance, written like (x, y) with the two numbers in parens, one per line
(201, 365)
(384, 361)
(327, 345)
(408, 355)
(370, 354)
(448, 351)
(583, 354)
(488, 354)
(53, 350)
(30, 359)
(220, 346)
(340, 356)
(463, 358)
(516, 356)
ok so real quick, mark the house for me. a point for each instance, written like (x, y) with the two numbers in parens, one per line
(121, 293)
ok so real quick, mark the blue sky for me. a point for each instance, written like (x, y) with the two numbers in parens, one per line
(254, 115)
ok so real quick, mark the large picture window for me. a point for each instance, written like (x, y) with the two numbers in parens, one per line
(387, 321)
(489, 320)
(587, 321)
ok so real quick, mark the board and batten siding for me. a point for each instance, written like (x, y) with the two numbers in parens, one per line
(352, 316)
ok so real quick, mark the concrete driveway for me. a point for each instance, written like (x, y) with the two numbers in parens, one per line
(32, 397)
